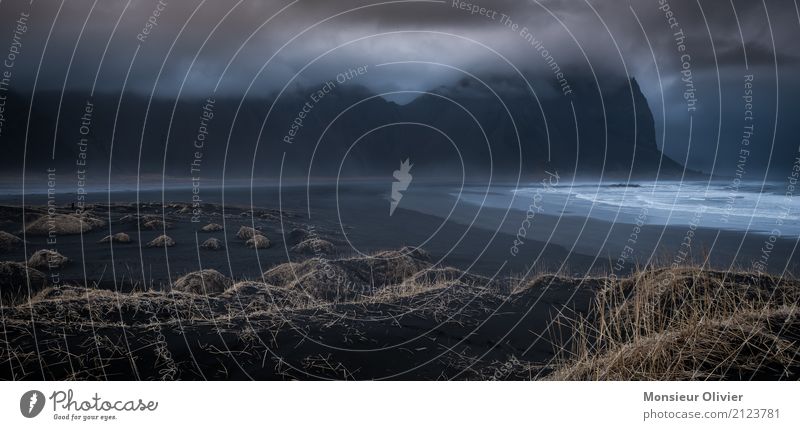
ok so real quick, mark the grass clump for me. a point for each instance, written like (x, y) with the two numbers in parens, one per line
(686, 324)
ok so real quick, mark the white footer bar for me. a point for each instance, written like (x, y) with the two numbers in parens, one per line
(399, 405)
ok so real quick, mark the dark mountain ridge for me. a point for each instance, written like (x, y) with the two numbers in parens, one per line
(344, 131)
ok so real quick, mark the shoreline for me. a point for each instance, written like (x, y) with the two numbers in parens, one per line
(347, 295)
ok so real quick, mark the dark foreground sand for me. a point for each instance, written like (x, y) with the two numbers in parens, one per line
(320, 301)
(421, 323)
(135, 265)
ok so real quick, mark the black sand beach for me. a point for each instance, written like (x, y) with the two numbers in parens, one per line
(367, 297)
(365, 230)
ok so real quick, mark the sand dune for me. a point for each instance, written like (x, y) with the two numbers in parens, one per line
(395, 315)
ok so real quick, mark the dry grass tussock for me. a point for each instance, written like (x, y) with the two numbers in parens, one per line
(658, 324)
(63, 224)
(346, 279)
(686, 324)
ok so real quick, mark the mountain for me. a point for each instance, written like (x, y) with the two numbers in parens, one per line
(464, 129)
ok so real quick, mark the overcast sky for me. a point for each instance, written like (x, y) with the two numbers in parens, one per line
(198, 46)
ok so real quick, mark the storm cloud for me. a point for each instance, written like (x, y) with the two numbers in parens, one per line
(254, 48)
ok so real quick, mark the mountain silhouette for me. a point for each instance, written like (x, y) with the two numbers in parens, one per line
(464, 130)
